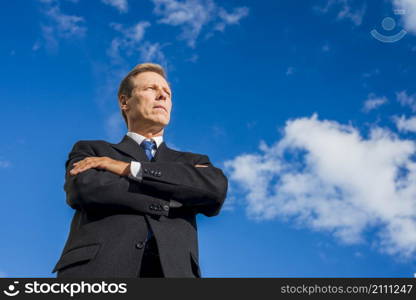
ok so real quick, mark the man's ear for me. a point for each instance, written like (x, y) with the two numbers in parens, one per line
(123, 103)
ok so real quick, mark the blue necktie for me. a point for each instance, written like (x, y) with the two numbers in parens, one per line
(148, 146)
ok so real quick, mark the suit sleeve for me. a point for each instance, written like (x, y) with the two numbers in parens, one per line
(97, 189)
(202, 189)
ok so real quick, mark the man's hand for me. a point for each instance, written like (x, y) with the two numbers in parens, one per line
(201, 166)
(115, 166)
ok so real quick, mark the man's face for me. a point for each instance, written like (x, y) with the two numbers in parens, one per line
(150, 100)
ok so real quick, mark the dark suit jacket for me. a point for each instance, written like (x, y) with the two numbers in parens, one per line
(112, 212)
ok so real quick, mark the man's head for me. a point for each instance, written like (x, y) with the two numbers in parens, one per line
(144, 97)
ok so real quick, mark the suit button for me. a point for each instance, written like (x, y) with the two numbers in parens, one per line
(166, 207)
(140, 245)
(152, 207)
(146, 170)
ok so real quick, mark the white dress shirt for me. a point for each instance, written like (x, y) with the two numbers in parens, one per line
(135, 166)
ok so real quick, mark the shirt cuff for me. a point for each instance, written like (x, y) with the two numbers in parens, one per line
(136, 170)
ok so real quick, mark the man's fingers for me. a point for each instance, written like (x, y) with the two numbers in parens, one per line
(81, 167)
(87, 163)
(79, 170)
(201, 166)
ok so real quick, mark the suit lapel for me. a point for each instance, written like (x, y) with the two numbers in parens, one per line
(165, 154)
(129, 147)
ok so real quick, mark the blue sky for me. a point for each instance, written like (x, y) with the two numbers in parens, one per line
(311, 117)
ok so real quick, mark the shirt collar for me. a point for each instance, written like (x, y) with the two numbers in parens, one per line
(139, 138)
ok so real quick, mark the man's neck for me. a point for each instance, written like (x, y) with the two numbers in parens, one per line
(148, 132)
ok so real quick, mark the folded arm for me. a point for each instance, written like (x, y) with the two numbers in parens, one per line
(96, 189)
(199, 188)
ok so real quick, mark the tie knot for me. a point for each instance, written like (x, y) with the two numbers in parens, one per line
(148, 145)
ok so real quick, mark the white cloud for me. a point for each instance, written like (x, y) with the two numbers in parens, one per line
(152, 52)
(373, 102)
(121, 5)
(326, 176)
(409, 16)
(192, 15)
(60, 25)
(128, 42)
(404, 125)
(49, 36)
(231, 18)
(66, 25)
(407, 100)
(133, 34)
(346, 10)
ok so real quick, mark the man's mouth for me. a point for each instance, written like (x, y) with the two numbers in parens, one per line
(162, 107)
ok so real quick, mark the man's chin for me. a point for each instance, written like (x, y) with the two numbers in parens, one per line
(161, 123)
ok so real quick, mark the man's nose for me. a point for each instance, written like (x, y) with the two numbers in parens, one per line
(161, 95)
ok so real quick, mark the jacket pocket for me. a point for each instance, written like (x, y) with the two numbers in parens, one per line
(195, 266)
(77, 255)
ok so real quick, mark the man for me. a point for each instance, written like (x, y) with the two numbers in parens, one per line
(136, 201)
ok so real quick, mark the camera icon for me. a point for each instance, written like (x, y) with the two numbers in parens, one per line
(388, 24)
(11, 291)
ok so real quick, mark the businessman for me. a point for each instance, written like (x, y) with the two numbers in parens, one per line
(136, 201)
